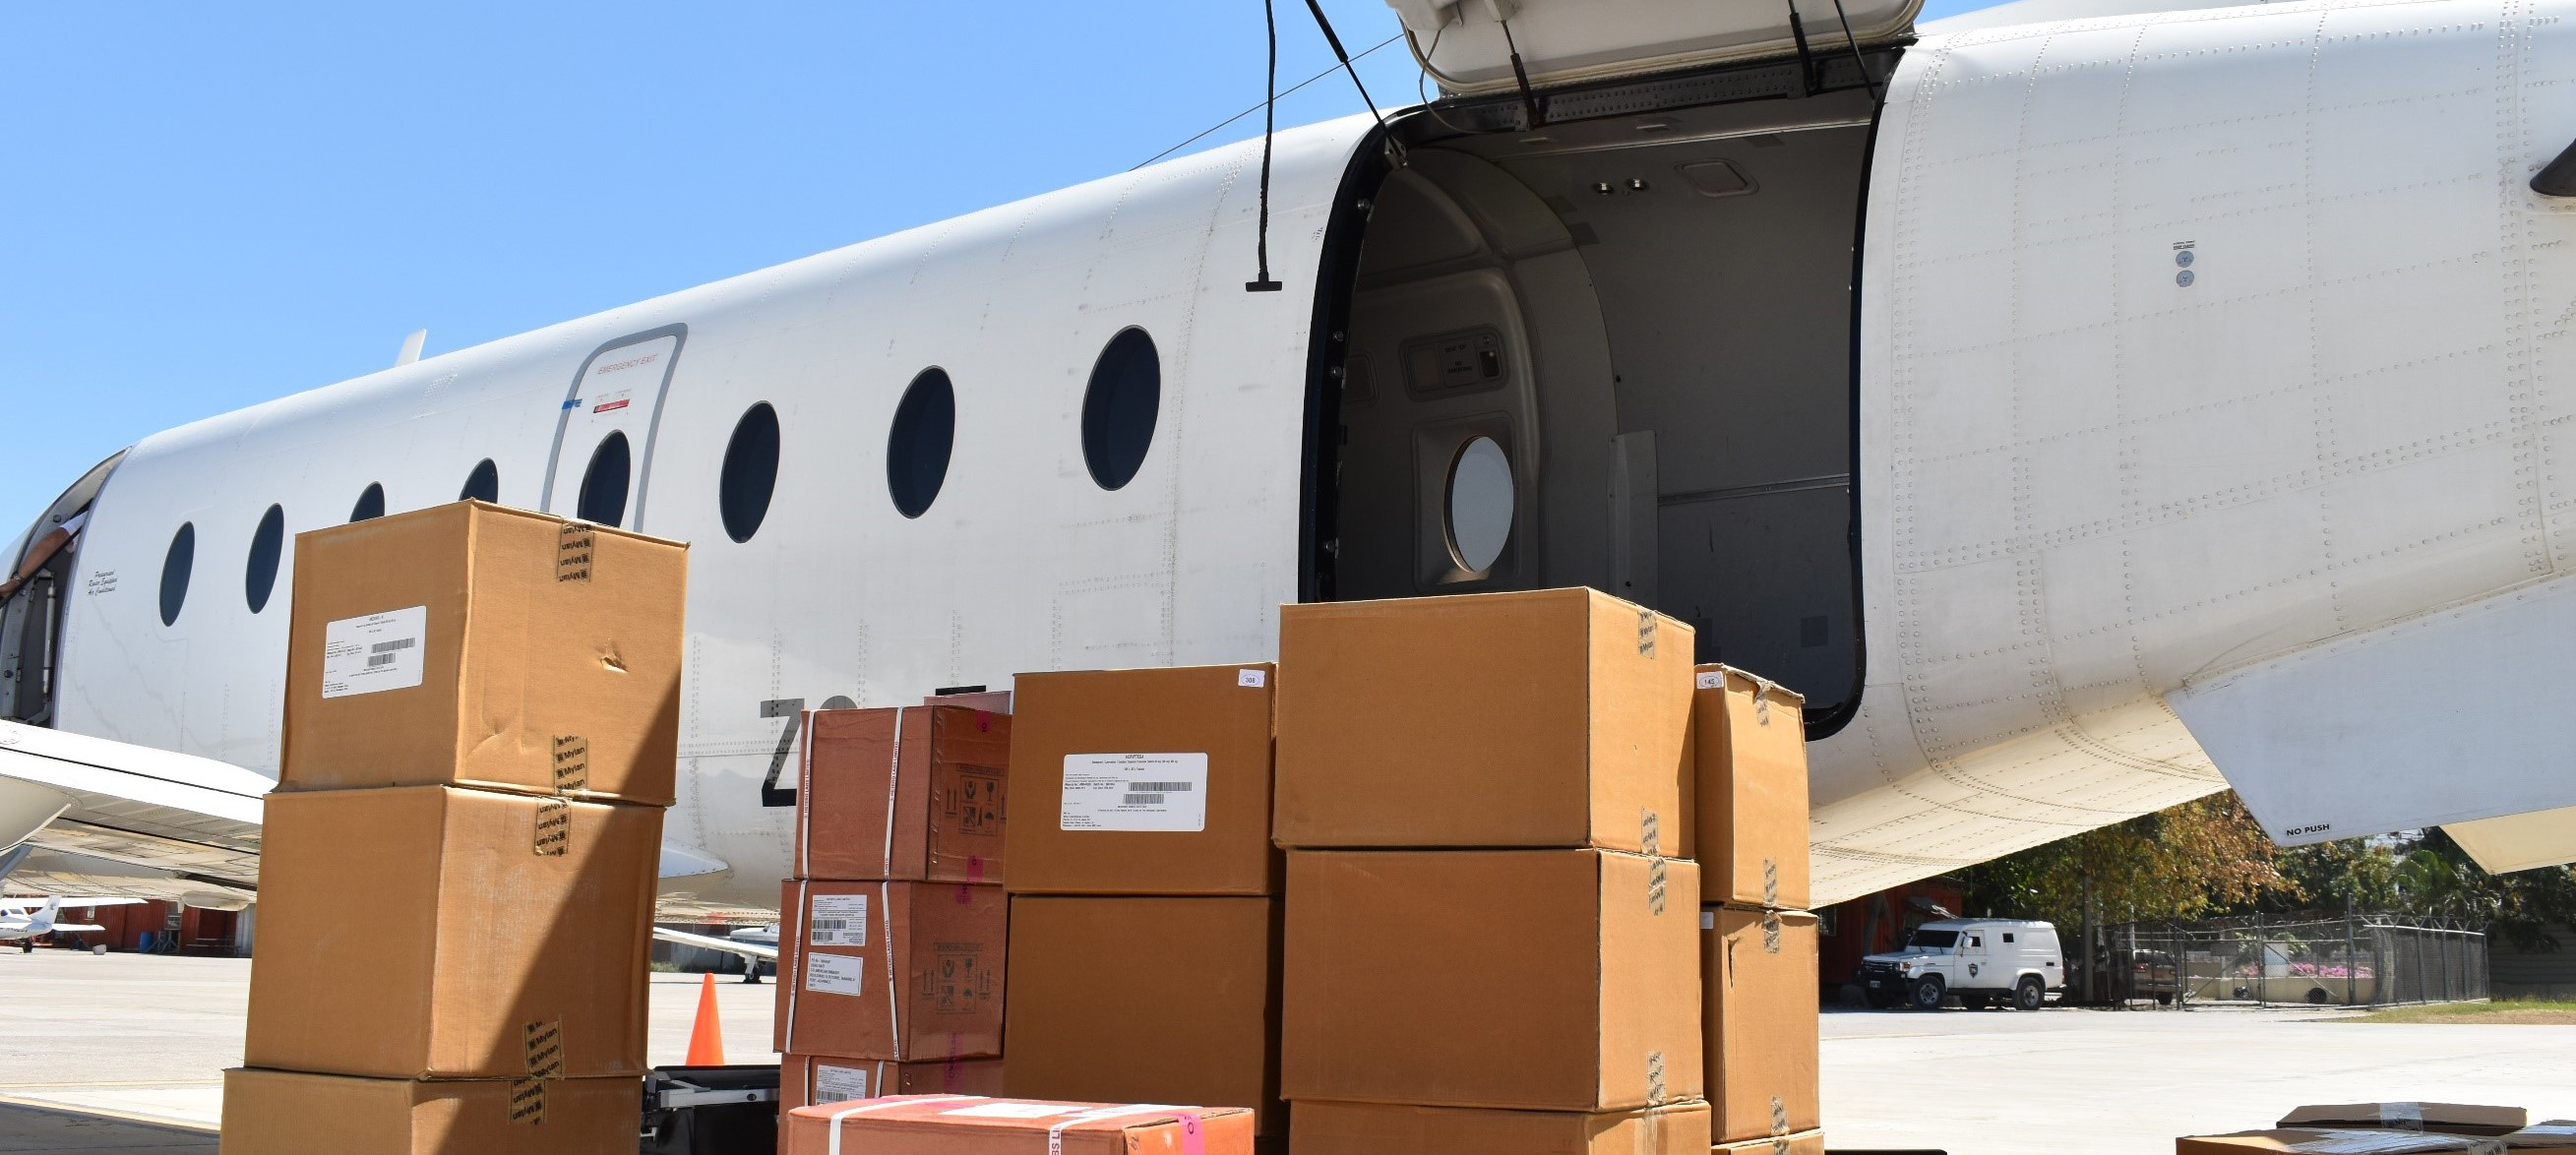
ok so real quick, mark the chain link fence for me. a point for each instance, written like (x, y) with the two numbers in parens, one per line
(2362, 961)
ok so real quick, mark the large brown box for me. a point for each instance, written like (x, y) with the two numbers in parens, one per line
(902, 971)
(434, 932)
(483, 646)
(1162, 1000)
(295, 1113)
(1547, 719)
(1761, 1027)
(1390, 1129)
(804, 1080)
(2328, 1142)
(939, 818)
(1802, 1143)
(1088, 742)
(944, 1126)
(1750, 746)
(1564, 980)
(2445, 1118)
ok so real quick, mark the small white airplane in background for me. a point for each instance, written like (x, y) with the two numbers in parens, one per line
(23, 922)
(756, 945)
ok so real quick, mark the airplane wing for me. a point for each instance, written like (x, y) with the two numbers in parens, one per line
(748, 950)
(69, 902)
(191, 819)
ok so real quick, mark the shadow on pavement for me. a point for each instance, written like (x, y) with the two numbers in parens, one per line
(27, 1128)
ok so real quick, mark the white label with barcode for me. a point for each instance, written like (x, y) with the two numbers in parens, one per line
(837, 920)
(839, 1084)
(1152, 792)
(375, 653)
(835, 974)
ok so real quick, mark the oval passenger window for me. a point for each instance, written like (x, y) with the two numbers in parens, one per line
(260, 578)
(484, 484)
(1119, 408)
(1480, 504)
(603, 485)
(174, 572)
(750, 473)
(371, 504)
(919, 443)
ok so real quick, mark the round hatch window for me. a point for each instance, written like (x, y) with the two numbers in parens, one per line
(1480, 504)
(175, 566)
(1120, 407)
(750, 475)
(484, 484)
(603, 485)
(918, 446)
(259, 578)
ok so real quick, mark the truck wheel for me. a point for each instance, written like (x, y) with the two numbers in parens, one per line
(2164, 1000)
(2030, 993)
(1927, 993)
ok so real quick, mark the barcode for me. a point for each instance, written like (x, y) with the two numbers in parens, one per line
(1160, 787)
(831, 924)
(381, 660)
(1142, 800)
(396, 644)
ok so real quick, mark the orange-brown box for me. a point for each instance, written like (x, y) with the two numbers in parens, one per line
(299, 1113)
(901, 971)
(1761, 1028)
(909, 793)
(804, 1080)
(1088, 743)
(1325, 1128)
(1164, 1000)
(1749, 745)
(435, 932)
(476, 645)
(1799, 1143)
(1543, 980)
(966, 1125)
(1554, 718)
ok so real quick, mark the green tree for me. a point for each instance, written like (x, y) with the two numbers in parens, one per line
(2203, 857)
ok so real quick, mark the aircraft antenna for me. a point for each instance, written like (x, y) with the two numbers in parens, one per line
(1269, 130)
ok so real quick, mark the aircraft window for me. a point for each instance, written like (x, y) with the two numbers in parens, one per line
(174, 572)
(371, 504)
(917, 447)
(750, 473)
(1119, 407)
(1480, 504)
(265, 542)
(603, 485)
(484, 484)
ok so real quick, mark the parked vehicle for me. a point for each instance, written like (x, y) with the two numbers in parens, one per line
(1982, 961)
(2145, 974)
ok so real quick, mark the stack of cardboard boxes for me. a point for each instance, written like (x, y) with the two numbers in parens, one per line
(1491, 938)
(456, 891)
(1144, 908)
(2408, 1128)
(891, 933)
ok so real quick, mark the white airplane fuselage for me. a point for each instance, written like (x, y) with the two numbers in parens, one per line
(2184, 345)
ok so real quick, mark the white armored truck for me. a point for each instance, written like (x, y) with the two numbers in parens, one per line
(1981, 960)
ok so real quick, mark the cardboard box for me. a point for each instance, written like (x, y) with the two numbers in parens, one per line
(901, 971)
(1087, 745)
(433, 932)
(1547, 719)
(1802, 1143)
(2442, 1118)
(965, 1125)
(1164, 1000)
(941, 816)
(1750, 750)
(1761, 1028)
(2554, 1135)
(1390, 1129)
(483, 646)
(1544, 980)
(294, 1113)
(2305, 1141)
(804, 1080)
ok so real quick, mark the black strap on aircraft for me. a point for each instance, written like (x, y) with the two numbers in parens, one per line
(1269, 129)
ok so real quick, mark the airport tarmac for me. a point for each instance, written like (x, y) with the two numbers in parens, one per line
(100, 1049)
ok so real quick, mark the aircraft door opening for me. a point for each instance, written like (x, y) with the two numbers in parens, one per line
(601, 466)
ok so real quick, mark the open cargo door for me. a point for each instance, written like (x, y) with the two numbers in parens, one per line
(1469, 46)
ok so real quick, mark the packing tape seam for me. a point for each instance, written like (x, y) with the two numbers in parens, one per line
(805, 796)
(834, 1144)
(894, 774)
(796, 981)
(894, 1006)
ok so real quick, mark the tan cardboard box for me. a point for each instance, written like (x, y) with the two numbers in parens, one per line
(295, 1113)
(1547, 719)
(938, 1125)
(940, 819)
(1761, 1028)
(2554, 1136)
(2444, 1118)
(902, 971)
(1088, 742)
(1750, 748)
(1802, 1143)
(433, 932)
(1558, 980)
(1163, 1000)
(2329, 1142)
(1325, 1128)
(484, 646)
(804, 1080)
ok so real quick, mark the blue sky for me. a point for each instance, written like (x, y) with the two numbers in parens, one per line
(207, 206)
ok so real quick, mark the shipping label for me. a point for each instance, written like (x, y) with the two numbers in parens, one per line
(837, 920)
(839, 1084)
(833, 974)
(1151, 792)
(374, 653)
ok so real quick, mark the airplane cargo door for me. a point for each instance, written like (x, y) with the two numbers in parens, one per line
(601, 465)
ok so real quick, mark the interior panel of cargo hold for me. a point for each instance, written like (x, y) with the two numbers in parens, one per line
(1624, 347)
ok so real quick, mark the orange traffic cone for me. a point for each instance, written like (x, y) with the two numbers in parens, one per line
(706, 1038)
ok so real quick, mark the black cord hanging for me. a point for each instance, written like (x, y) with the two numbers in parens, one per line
(1269, 129)
(1321, 21)
(1857, 59)
(1529, 99)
